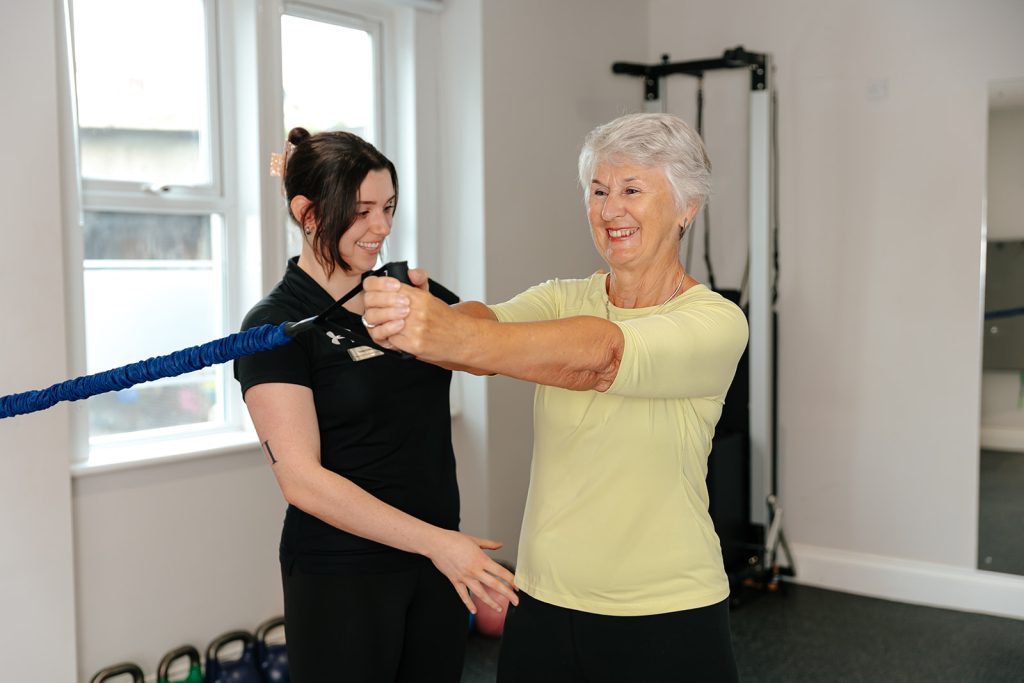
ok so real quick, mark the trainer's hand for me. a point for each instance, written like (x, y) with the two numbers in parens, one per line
(459, 557)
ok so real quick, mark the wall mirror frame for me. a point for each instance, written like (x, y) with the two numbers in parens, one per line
(1001, 499)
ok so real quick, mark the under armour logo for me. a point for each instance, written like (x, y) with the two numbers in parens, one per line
(335, 338)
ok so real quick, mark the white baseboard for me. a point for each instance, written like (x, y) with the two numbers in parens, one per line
(911, 581)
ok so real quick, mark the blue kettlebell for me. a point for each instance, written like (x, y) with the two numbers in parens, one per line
(117, 670)
(272, 657)
(241, 670)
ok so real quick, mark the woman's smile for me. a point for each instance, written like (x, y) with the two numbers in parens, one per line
(618, 234)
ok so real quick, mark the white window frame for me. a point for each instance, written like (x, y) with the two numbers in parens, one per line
(373, 25)
(383, 19)
(245, 45)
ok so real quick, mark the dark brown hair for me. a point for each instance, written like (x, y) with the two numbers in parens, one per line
(327, 169)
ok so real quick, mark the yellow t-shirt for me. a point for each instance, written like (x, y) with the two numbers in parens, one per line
(616, 518)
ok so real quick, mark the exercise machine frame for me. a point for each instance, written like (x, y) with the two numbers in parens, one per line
(765, 511)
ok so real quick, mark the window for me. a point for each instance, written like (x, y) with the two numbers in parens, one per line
(329, 76)
(182, 229)
(154, 217)
(318, 94)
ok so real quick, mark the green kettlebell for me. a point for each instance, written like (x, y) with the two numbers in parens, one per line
(195, 671)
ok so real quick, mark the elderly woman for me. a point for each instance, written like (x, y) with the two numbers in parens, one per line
(620, 570)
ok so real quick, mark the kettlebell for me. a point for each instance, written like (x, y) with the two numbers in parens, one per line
(241, 670)
(195, 671)
(490, 622)
(117, 670)
(272, 657)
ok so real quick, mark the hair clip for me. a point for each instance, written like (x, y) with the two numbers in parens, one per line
(278, 160)
(277, 164)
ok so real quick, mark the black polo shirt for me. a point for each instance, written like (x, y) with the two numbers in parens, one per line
(384, 424)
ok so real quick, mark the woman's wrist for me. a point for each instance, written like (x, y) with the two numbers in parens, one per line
(431, 541)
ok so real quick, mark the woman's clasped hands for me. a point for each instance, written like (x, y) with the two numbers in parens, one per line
(409, 318)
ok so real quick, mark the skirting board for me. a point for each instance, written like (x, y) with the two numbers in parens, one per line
(911, 581)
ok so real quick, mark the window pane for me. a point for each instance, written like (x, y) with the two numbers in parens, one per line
(185, 400)
(112, 235)
(153, 285)
(141, 78)
(328, 74)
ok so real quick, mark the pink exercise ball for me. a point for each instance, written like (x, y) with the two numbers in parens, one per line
(489, 621)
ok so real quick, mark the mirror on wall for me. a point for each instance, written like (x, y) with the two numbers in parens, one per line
(1001, 501)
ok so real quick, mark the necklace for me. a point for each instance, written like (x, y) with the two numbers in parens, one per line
(608, 298)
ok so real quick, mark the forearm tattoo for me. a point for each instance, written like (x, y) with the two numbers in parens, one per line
(270, 453)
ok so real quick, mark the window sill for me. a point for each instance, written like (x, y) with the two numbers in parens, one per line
(114, 458)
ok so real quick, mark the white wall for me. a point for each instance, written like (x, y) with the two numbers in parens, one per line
(37, 628)
(882, 114)
(174, 553)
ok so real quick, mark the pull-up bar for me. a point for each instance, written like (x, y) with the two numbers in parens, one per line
(735, 58)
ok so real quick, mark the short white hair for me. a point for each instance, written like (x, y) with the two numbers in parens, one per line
(651, 140)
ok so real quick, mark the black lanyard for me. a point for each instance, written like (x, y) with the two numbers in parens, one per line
(396, 269)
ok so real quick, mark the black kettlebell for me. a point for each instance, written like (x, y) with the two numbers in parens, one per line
(118, 670)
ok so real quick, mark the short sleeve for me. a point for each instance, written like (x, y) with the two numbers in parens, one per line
(288, 364)
(540, 302)
(690, 352)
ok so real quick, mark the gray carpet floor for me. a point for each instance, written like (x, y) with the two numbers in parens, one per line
(809, 634)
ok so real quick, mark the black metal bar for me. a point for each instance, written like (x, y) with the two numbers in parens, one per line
(735, 58)
(630, 69)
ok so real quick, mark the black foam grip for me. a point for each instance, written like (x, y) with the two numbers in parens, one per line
(398, 270)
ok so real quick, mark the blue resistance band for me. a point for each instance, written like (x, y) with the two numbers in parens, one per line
(261, 338)
(233, 346)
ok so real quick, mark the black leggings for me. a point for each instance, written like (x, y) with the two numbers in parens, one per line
(543, 643)
(408, 625)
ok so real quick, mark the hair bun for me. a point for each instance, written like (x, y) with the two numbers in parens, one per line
(298, 135)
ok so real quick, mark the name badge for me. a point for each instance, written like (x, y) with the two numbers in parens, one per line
(363, 352)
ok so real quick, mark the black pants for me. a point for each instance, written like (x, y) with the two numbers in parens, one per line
(543, 643)
(407, 625)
